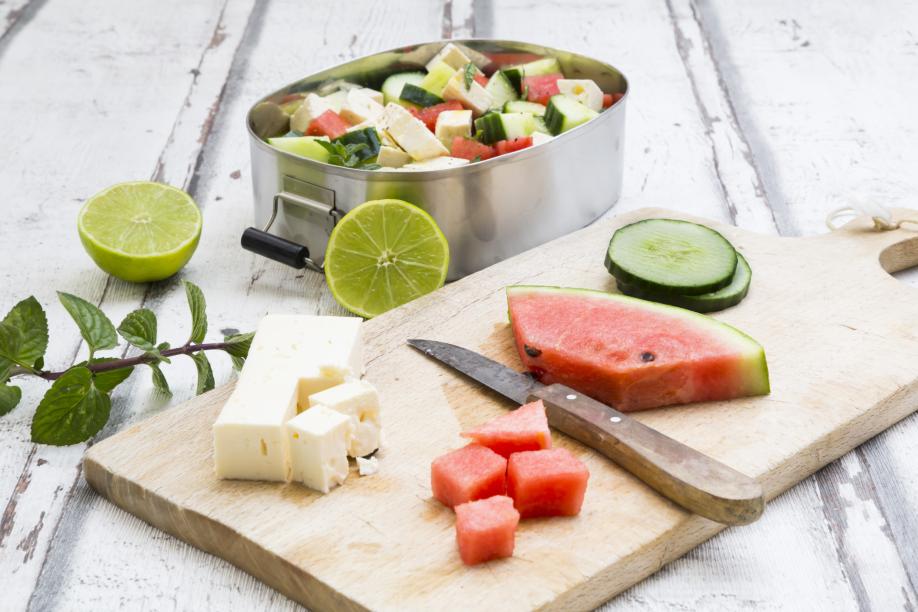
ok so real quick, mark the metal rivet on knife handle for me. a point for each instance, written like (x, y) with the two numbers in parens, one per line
(690, 478)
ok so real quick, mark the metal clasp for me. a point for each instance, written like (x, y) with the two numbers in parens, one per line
(311, 205)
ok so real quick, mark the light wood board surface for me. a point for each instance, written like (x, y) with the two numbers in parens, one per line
(762, 114)
(844, 365)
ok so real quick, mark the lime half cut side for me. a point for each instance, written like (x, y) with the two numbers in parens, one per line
(383, 254)
(140, 231)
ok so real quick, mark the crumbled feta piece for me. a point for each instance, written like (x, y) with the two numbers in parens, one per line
(392, 157)
(368, 466)
(453, 123)
(359, 108)
(318, 447)
(359, 401)
(585, 91)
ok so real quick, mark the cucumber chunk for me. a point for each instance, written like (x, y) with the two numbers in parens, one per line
(731, 295)
(546, 65)
(436, 80)
(522, 106)
(414, 94)
(392, 86)
(492, 127)
(501, 90)
(515, 76)
(564, 113)
(671, 257)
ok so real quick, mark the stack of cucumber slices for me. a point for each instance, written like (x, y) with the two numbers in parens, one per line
(679, 263)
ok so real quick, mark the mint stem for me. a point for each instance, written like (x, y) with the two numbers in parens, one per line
(117, 364)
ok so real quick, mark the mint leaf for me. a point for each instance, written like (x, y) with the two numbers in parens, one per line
(238, 345)
(139, 329)
(159, 379)
(106, 381)
(10, 344)
(29, 318)
(73, 410)
(9, 398)
(198, 307)
(205, 373)
(96, 329)
(5, 367)
(238, 362)
(469, 75)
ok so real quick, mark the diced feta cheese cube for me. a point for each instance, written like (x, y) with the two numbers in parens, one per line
(585, 91)
(392, 157)
(475, 97)
(359, 108)
(368, 466)
(376, 96)
(318, 447)
(411, 134)
(453, 123)
(312, 107)
(438, 163)
(451, 55)
(359, 401)
(540, 137)
(291, 358)
(336, 100)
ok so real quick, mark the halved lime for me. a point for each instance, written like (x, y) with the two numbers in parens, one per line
(140, 231)
(383, 254)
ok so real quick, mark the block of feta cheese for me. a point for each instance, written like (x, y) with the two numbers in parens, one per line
(312, 107)
(474, 97)
(336, 100)
(376, 96)
(359, 401)
(453, 123)
(451, 55)
(360, 108)
(411, 134)
(318, 447)
(392, 157)
(367, 467)
(437, 163)
(585, 91)
(291, 357)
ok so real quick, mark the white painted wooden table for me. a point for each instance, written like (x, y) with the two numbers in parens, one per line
(766, 114)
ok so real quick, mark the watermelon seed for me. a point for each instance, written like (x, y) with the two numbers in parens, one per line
(531, 351)
(646, 357)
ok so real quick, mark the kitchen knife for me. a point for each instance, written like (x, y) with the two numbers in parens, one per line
(687, 477)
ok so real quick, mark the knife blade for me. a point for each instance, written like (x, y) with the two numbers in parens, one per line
(695, 481)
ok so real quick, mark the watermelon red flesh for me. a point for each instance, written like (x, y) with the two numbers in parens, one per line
(526, 428)
(541, 88)
(328, 124)
(548, 482)
(629, 353)
(429, 115)
(515, 144)
(486, 529)
(469, 149)
(469, 473)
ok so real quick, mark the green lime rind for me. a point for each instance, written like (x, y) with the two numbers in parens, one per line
(140, 231)
(670, 256)
(382, 254)
(731, 295)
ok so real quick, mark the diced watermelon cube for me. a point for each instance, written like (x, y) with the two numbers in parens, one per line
(480, 79)
(328, 124)
(541, 88)
(526, 428)
(486, 529)
(515, 144)
(469, 473)
(429, 115)
(606, 100)
(469, 149)
(548, 482)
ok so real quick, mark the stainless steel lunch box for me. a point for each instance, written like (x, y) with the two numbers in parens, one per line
(488, 210)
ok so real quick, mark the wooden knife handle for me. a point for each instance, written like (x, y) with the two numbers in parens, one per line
(689, 478)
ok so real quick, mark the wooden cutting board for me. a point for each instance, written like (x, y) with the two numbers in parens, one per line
(842, 345)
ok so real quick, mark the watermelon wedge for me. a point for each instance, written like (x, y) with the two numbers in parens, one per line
(526, 428)
(630, 353)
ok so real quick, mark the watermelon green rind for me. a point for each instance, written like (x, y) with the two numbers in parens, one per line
(634, 277)
(753, 366)
(724, 298)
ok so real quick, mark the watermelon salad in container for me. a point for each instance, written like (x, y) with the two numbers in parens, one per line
(464, 107)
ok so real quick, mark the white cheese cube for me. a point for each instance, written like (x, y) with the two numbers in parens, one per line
(585, 91)
(359, 108)
(475, 97)
(359, 401)
(336, 100)
(411, 134)
(540, 137)
(291, 357)
(367, 467)
(392, 157)
(376, 96)
(438, 163)
(451, 55)
(453, 123)
(318, 448)
(312, 107)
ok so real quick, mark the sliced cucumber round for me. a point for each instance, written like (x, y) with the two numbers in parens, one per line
(671, 257)
(731, 295)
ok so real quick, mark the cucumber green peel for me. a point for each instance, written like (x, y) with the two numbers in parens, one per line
(671, 257)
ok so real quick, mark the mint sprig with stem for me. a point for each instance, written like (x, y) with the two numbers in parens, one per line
(340, 154)
(78, 403)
